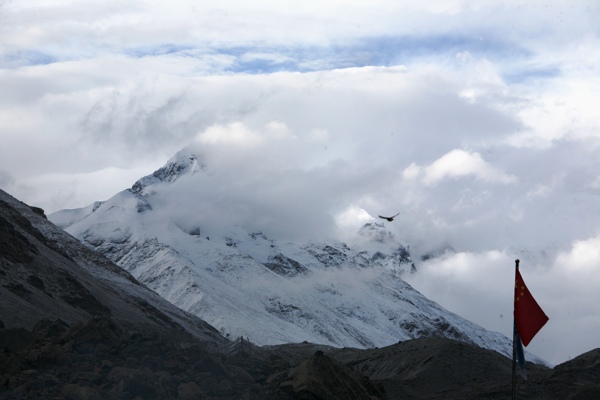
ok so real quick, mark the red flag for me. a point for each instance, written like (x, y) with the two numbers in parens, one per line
(529, 317)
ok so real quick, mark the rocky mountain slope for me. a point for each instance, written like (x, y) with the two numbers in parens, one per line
(73, 325)
(247, 284)
(48, 274)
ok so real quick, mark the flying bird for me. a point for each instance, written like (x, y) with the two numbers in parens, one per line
(389, 218)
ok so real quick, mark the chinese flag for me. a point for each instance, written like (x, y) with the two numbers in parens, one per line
(529, 317)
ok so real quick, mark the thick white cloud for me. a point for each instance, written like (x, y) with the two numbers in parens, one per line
(477, 121)
(456, 164)
(479, 286)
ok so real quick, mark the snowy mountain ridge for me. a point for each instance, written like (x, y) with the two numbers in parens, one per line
(181, 164)
(246, 284)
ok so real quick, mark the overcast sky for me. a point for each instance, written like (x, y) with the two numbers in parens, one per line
(477, 121)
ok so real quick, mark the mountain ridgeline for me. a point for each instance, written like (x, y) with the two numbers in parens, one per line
(246, 284)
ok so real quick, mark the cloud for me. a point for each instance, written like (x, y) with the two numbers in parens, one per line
(235, 134)
(480, 287)
(6, 179)
(238, 134)
(353, 217)
(56, 191)
(476, 121)
(458, 164)
(583, 257)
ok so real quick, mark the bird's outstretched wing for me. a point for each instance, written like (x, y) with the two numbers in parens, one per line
(389, 218)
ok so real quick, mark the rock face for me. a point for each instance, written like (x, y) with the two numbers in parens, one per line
(47, 274)
(314, 376)
(100, 360)
(97, 360)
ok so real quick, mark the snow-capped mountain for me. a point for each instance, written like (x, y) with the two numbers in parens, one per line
(270, 291)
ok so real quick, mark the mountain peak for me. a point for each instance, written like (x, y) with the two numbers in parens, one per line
(185, 162)
(268, 290)
(376, 231)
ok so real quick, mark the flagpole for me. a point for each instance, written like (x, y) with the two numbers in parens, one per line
(514, 356)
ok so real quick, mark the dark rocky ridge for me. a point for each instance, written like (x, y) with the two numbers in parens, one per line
(75, 326)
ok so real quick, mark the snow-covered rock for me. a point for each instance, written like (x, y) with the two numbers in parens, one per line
(267, 290)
